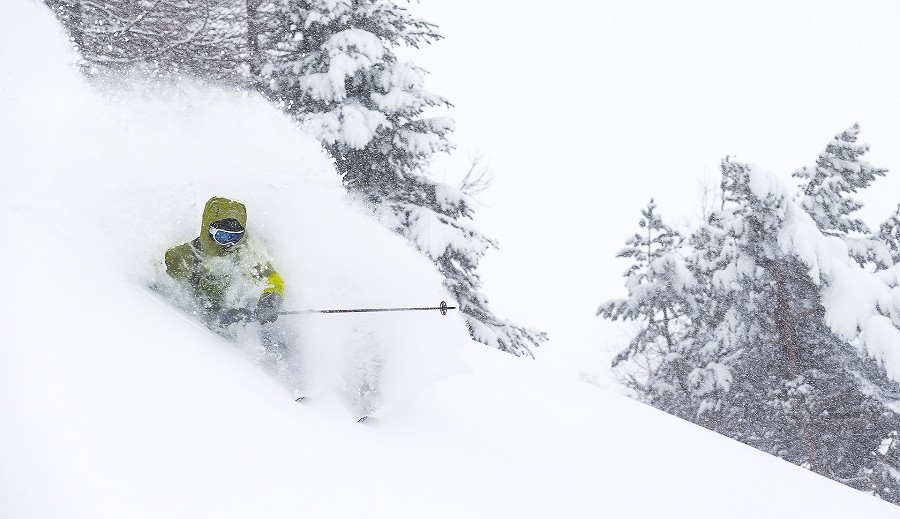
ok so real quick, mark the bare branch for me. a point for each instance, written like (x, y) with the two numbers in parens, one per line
(709, 193)
(478, 178)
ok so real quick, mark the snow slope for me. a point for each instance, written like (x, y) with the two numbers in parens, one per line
(112, 404)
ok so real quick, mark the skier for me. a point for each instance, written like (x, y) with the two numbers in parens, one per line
(226, 272)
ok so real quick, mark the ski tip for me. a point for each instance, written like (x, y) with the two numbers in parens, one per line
(300, 398)
(365, 419)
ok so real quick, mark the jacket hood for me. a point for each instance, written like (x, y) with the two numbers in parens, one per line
(218, 208)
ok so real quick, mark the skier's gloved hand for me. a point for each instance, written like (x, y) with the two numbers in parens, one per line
(268, 307)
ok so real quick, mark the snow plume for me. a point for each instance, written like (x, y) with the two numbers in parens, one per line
(860, 306)
(116, 174)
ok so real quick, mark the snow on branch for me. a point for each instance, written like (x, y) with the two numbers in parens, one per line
(862, 307)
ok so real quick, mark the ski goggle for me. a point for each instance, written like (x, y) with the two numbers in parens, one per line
(225, 238)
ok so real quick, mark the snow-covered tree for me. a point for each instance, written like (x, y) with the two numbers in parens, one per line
(332, 64)
(659, 300)
(826, 194)
(889, 235)
(769, 356)
(196, 37)
(799, 390)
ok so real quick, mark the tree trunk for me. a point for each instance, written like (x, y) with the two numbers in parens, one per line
(253, 55)
(786, 326)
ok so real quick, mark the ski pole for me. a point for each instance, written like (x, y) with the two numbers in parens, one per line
(443, 308)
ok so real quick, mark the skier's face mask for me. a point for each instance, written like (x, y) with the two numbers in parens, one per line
(225, 238)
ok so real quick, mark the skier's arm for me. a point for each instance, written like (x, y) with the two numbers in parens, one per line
(180, 262)
(271, 300)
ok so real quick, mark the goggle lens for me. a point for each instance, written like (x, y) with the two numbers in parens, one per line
(225, 238)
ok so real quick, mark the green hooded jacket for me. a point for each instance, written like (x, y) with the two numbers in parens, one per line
(224, 278)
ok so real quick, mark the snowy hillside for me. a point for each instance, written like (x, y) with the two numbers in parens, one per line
(112, 404)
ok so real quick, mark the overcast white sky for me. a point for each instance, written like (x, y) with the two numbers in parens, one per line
(586, 110)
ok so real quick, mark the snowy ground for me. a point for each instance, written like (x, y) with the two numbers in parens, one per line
(112, 404)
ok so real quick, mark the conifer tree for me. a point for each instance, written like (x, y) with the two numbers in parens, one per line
(659, 299)
(826, 194)
(759, 361)
(333, 66)
(798, 390)
(889, 235)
